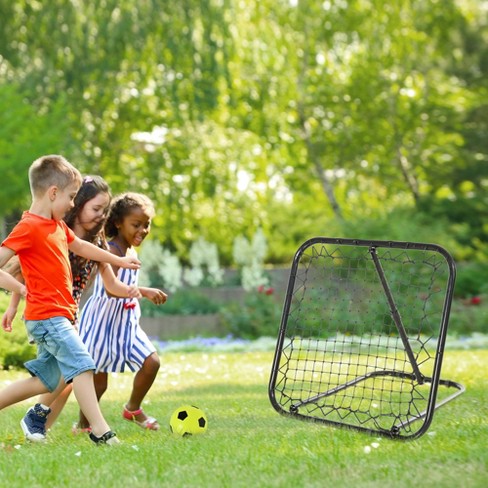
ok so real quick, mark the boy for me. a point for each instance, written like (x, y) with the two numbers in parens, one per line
(41, 241)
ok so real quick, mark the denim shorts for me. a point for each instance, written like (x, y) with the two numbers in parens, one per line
(60, 351)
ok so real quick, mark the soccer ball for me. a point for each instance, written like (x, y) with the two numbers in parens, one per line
(188, 420)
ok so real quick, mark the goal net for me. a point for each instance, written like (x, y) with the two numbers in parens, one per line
(362, 335)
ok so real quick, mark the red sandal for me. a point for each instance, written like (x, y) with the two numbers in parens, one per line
(76, 429)
(150, 423)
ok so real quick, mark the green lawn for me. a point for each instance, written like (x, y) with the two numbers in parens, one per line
(248, 443)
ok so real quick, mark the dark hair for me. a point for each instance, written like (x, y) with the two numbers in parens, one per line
(122, 205)
(90, 187)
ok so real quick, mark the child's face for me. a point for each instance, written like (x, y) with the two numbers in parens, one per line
(63, 200)
(135, 227)
(94, 212)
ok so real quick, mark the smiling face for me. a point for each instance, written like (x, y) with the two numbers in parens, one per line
(92, 216)
(134, 228)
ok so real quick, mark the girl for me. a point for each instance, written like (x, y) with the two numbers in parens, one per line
(86, 218)
(110, 326)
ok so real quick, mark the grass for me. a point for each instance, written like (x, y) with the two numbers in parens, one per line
(248, 443)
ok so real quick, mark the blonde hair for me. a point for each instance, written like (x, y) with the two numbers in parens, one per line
(52, 170)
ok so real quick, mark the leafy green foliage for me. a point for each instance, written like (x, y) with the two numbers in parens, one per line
(469, 317)
(15, 349)
(235, 116)
(471, 280)
(185, 301)
(259, 315)
(26, 132)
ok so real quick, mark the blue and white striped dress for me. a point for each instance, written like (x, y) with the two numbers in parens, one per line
(110, 328)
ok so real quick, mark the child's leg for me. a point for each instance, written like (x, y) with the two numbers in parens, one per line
(101, 383)
(21, 390)
(57, 400)
(143, 381)
(84, 389)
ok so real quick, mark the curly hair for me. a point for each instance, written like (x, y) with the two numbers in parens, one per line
(122, 206)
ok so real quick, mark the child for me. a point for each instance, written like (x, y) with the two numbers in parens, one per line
(86, 219)
(110, 326)
(42, 240)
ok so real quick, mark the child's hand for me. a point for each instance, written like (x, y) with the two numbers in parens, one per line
(158, 297)
(129, 262)
(7, 319)
(134, 292)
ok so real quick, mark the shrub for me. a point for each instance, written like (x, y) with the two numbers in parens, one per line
(258, 316)
(469, 316)
(471, 280)
(15, 349)
(183, 302)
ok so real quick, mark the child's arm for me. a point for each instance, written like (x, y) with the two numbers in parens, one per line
(6, 281)
(156, 296)
(90, 251)
(11, 312)
(10, 283)
(13, 268)
(114, 287)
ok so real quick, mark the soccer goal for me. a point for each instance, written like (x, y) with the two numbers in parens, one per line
(362, 336)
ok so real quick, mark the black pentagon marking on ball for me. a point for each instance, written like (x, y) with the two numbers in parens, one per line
(201, 422)
(182, 415)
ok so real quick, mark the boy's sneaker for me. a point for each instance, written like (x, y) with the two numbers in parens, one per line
(109, 438)
(34, 423)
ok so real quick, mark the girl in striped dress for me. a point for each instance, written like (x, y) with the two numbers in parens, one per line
(109, 326)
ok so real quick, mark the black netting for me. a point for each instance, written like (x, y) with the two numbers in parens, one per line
(360, 333)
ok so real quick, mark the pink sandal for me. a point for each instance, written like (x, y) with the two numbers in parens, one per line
(76, 429)
(150, 423)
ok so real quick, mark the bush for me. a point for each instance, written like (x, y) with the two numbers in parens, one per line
(471, 280)
(181, 302)
(15, 349)
(258, 316)
(469, 316)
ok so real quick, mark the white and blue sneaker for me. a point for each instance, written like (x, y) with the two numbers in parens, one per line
(34, 423)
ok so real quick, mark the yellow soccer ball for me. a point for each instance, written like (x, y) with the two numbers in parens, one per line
(188, 420)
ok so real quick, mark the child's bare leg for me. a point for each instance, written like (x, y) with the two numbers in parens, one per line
(49, 398)
(84, 389)
(57, 403)
(101, 383)
(143, 380)
(21, 390)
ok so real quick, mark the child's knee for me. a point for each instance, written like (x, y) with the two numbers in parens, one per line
(152, 362)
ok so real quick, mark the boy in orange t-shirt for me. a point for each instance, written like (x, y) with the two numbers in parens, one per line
(41, 241)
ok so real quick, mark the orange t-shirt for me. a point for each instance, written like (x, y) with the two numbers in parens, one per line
(42, 247)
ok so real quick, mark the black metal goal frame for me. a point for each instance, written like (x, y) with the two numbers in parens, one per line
(362, 335)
